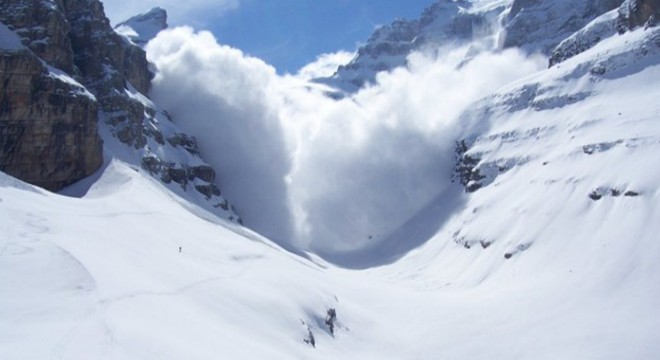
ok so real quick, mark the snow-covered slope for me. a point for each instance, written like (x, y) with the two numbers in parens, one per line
(8, 39)
(554, 256)
(545, 248)
(140, 29)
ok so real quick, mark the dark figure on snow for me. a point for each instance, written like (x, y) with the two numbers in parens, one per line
(330, 319)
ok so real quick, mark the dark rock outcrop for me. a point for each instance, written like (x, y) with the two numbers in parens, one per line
(48, 127)
(630, 15)
(105, 59)
(606, 191)
(48, 121)
(330, 320)
(539, 26)
(636, 13)
(466, 171)
(43, 28)
(71, 73)
(585, 39)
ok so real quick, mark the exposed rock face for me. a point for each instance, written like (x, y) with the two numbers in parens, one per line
(630, 15)
(539, 26)
(446, 21)
(601, 28)
(636, 13)
(465, 170)
(48, 127)
(48, 121)
(104, 58)
(43, 28)
(70, 73)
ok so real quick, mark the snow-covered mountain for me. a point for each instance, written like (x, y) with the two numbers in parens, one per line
(83, 76)
(535, 26)
(140, 29)
(544, 248)
(443, 23)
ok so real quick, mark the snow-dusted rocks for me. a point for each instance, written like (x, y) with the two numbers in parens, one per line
(572, 132)
(538, 26)
(532, 25)
(71, 72)
(602, 27)
(140, 29)
(636, 13)
(630, 15)
(48, 128)
(445, 22)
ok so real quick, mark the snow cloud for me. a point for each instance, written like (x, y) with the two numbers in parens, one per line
(226, 100)
(327, 175)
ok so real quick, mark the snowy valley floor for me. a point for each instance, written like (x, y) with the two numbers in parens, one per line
(101, 277)
(555, 257)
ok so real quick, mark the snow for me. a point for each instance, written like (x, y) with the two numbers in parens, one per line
(140, 29)
(102, 275)
(8, 39)
(62, 76)
(600, 28)
(527, 267)
(444, 24)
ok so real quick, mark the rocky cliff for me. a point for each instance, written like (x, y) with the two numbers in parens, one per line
(48, 121)
(538, 26)
(72, 73)
(48, 127)
(636, 13)
(631, 14)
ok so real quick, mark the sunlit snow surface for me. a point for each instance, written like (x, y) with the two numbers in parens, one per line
(101, 277)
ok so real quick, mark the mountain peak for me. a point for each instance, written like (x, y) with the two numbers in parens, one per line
(443, 22)
(141, 28)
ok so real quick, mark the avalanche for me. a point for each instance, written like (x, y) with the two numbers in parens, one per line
(553, 254)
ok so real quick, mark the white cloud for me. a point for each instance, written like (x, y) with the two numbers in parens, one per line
(195, 12)
(325, 65)
(323, 174)
(225, 99)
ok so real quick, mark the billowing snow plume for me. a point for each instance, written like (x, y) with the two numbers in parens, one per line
(322, 174)
(226, 100)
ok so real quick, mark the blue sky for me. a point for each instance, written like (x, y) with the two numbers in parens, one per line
(285, 33)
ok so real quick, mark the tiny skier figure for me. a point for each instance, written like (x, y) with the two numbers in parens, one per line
(179, 248)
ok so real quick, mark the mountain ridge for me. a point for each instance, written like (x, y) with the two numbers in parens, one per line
(140, 29)
(79, 46)
(544, 247)
(448, 23)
